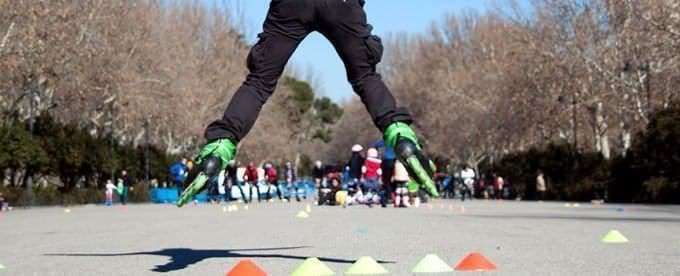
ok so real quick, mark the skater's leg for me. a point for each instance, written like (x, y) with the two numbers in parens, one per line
(286, 24)
(344, 24)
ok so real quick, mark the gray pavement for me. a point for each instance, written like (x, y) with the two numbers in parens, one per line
(521, 238)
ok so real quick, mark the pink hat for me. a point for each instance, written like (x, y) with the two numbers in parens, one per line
(357, 148)
(372, 153)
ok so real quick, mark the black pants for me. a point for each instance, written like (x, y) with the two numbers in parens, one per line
(288, 22)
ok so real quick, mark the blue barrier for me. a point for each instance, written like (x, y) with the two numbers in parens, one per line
(169, 195)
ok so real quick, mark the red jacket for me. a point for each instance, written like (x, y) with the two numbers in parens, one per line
(251, 174)
(372, 168)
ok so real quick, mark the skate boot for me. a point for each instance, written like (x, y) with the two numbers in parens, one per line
(400, 137)
(212, 159)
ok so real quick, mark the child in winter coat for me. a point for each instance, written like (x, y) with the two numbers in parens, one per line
(109, 192)
(400, 178)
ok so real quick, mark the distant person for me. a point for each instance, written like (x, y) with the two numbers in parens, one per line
(468, 176)
(4, 206)
(540, 186)
(387, 167)
(251, 177)
(121, 191)
(232, 179)
(291, 181)
(318, 175)
(371, 170)
(499, 184)
(124, 187)
(354, 167)
(400, 178)
(329, 193)
(272, 179)
(178, 172)
(109, 192)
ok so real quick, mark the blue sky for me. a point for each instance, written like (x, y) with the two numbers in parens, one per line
(386, 16)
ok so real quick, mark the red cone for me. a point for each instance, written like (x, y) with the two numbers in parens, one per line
(475, 262)
(246, 268)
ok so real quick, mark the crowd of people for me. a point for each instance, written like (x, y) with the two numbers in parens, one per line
(369, 177)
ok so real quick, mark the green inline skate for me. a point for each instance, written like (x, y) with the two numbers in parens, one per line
(400, 137)
(212, 159)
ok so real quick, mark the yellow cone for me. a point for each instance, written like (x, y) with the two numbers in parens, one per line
(366, 266)
(302, 214)
(614, 236)
(312, 266)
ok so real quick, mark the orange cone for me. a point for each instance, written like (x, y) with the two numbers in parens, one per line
(475, 262)
(246, 268)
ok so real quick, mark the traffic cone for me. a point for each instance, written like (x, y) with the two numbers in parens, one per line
(246, 268)
(302, 214)
(614, 236)
(366, 266)
(475, 262)
(312, 266)
(308, 209)
(431, 263)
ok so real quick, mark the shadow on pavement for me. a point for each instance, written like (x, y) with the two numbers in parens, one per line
(181, 258)
(563, 217)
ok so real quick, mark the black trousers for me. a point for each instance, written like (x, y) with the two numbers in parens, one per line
(288, 22)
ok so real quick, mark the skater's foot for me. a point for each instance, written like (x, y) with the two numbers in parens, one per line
(403, 140)
(212, 159)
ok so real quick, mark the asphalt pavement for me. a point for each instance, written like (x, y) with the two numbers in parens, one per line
(520, 238)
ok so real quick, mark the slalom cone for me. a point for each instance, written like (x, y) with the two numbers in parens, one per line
(431, 263)
(308, 209)
(462, 209)
(475, 262)
(302, 214)
(246, 268)
(312, 266)
(224, 209)
(366, 266)
(245, 207)
(614, 236)
(67, 210)
(235, 208)
(2, 266)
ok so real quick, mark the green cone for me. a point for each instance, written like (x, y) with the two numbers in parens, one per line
(431, 263)
(312, 267)
(614, 236)
(366, 266)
